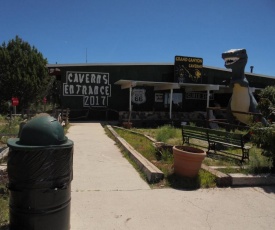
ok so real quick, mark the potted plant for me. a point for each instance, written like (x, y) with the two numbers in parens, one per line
(187, 160)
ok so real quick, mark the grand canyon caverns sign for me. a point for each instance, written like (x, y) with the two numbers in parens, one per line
(92, 86)
(188, 69)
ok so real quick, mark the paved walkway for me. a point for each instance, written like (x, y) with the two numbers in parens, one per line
(108, 193)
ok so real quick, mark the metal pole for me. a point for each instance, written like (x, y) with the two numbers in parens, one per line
(171, 99)
(130, 99)
(208, 96)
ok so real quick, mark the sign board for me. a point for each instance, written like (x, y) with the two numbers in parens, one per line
(158, 97)
(93, 87)
(138, 96)
(188, 69)
(198, 96)
(14, 101)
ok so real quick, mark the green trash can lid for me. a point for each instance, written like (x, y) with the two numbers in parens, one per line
(40, 131)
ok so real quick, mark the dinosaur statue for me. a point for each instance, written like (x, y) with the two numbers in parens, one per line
(242, 99)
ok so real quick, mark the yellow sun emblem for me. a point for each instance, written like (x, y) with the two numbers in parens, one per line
(197, 74)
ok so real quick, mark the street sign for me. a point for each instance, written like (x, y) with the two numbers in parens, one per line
(15, 101)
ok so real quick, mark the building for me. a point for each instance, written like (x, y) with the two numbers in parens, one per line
(145, 92)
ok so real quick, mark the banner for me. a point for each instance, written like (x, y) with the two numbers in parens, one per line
(92, 86)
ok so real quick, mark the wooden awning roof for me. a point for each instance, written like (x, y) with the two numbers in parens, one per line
(125, 84)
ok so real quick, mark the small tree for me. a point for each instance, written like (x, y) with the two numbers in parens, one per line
(23, 73)
(264, 136)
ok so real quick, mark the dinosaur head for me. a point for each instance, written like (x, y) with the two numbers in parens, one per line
(236, 60)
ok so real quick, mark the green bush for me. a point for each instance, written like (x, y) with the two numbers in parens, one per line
(264, 137)
(166, 132)
(11, 126)
(267, 102)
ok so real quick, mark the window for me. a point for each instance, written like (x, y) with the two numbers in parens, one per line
(176, 100)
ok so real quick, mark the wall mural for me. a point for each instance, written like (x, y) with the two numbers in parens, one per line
(94, 87)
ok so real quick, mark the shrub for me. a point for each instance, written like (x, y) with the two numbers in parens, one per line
(264, 137)
(165, 132)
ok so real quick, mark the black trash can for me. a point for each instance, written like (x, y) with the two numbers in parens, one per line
(40, 171)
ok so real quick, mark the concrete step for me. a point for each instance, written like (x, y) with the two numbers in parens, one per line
(239, 179)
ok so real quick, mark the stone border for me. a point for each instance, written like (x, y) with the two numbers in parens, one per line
(223, 180)
(3, 153)
(153, 174)
(239, 179)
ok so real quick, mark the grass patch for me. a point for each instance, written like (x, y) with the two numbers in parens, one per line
(165, 162)
(4, 197)
(166, 132)
(203, 180)
(225, 157)
(230, 158)
(139, 143)
(4, 204)
(6, 127)
(9, 127)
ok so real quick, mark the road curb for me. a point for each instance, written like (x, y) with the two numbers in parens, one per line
(239, 179)
(223, 180)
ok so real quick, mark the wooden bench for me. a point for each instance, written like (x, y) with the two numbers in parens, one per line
(233, 140)
(214, 137)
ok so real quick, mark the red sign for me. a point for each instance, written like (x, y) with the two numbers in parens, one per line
(44, 100)
(15, 101)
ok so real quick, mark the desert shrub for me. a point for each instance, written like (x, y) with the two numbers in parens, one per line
(166, 132)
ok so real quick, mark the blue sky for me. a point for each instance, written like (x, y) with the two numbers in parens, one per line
(143, 31)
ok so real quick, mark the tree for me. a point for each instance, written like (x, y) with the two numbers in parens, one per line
(267, 101)
(264, 136)
(23, 73)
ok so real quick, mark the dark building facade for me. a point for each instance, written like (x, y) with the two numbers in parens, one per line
(105, 91)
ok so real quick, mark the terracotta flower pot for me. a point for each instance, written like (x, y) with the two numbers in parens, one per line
(187, 160)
